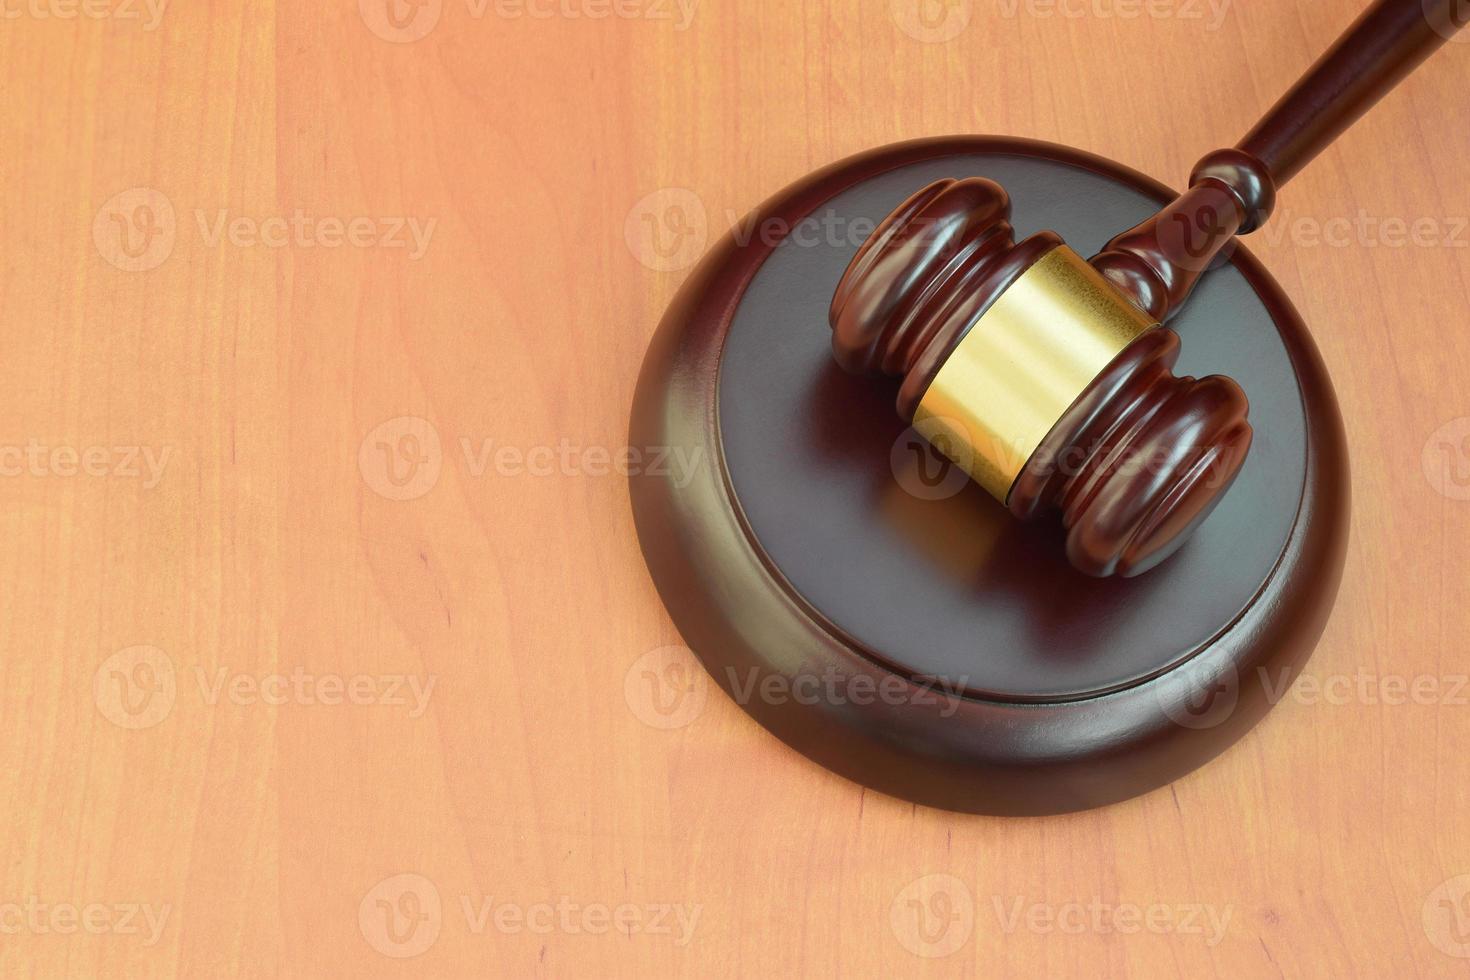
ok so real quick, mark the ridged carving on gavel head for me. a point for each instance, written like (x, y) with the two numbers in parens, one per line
(1139, 461)
(1135, 462)
(922, 279)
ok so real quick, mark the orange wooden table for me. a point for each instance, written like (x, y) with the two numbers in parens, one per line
(328, 648)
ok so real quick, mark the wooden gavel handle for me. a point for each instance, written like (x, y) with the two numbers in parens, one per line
(1232, 192)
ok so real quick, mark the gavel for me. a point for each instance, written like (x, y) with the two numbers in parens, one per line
(1049, 378)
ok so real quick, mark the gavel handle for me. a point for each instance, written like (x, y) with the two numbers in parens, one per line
(1390, 39)
(1232, 192)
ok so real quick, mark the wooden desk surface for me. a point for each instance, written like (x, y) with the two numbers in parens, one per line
(318, 353)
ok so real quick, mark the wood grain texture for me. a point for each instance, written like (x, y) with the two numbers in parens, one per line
(267, 567)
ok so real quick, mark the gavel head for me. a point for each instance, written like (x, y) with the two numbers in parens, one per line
(1039, 377)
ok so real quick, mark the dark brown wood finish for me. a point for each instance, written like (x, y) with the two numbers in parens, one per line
(797, 554)
(1127, 519)
(773, 568)
(947, 253)
(920, 280)
(1139, 461)
(1386, 43)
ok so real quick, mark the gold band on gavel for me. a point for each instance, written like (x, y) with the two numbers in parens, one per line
(1023, 364)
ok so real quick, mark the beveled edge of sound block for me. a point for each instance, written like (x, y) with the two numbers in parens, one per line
(743, 620)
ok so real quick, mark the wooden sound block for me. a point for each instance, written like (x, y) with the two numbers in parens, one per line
(884, 616)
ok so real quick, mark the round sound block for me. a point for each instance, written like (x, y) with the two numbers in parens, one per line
(885, 617)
